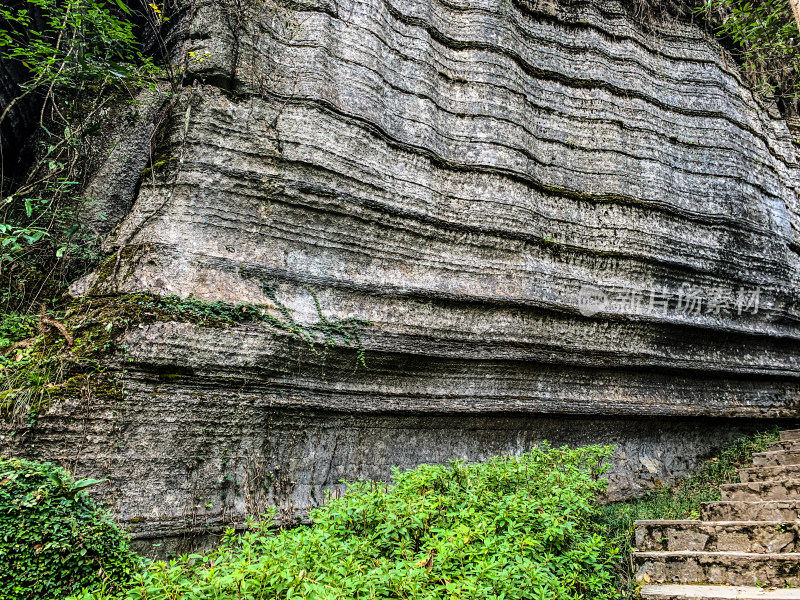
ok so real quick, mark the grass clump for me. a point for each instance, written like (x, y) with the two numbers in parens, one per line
(681, 501)
(510, 528)
(54, 540)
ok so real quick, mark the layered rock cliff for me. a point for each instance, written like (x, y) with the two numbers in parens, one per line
(473, 225)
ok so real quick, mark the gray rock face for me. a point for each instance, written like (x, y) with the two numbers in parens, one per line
(557, 224)
(112, 189)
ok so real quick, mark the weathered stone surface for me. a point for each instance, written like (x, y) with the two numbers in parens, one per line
(460, 197)
(467, 177)
(377, 178)
(716, 536)
(726, 568)
(112, 190)
(790, 434)
(787, 489)
(776, 458)
(715, 592)
(772, 510)
(769, 473)
(787, 445)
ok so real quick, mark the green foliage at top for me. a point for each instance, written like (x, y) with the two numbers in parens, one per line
(78, 58)
(766, 35)
(510, 528)
(684, 499)
(73, 41)
(54, 540)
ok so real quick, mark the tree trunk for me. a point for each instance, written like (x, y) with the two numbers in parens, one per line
(795, 4)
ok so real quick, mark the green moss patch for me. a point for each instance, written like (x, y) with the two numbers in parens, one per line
(48, 366)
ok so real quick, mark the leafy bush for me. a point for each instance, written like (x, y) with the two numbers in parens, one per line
(67, 42)
(14, 327)
(54, 540)
(764, 40)
(509, 528)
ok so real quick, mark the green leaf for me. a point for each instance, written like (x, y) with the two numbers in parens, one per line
(82, 484)
(123, 7)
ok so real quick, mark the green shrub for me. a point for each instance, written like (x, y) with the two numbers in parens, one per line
(765, 42)
(13, 328)
(54, 540)
(73, 59)
(509, 528)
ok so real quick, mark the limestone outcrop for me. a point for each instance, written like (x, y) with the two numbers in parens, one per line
(473, 225)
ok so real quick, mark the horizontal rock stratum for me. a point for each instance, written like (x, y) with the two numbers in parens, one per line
(539, 220)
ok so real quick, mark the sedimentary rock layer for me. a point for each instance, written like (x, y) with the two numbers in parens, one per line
(495, 162)
(185, 460)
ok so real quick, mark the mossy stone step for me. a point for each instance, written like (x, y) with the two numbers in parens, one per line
(716, 592)
(720, 536)
(734, 568)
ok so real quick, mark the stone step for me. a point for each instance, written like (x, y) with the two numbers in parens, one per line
(734, 568)
(769, 473)
(776, 458)
(776, 510)
(790, 434)
(717, 536)
(716, 592)
(787, 489)
(788, 445)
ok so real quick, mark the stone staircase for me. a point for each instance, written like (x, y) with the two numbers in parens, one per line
(746, 547)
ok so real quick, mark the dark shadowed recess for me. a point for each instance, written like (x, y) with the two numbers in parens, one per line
(18, 130)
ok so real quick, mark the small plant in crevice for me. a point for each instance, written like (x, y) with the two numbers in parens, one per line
(325, 332)
(27, 372)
